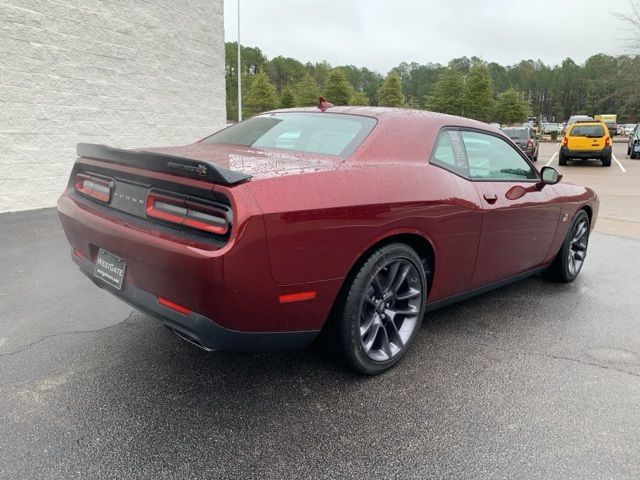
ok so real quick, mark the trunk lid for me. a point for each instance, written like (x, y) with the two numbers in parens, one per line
(254, 163)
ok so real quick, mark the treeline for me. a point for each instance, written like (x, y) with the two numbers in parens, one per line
(465, 86)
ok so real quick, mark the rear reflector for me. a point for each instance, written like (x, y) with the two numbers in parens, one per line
(173, 306)
(297, 297)
(95, 187)
(187, 213)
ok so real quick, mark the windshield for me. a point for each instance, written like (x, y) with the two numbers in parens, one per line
(595, 131)
(324, 133)
(517, 133)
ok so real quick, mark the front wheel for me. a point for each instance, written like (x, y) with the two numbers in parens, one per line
(381, 309)
(568, 263)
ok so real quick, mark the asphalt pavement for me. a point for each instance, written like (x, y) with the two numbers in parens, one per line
(536, 380)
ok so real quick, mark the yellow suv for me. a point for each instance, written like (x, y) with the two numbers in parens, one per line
(586, 139)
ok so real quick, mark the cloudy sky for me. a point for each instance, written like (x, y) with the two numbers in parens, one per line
(379, 34)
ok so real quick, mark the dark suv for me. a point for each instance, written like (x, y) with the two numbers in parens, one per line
(526, 139)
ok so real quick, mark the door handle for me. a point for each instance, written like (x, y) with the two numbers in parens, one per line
(490, 197)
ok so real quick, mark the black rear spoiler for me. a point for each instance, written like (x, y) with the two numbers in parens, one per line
(161, 162)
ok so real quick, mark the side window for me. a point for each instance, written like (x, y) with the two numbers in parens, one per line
(491, 158)
(449, 153)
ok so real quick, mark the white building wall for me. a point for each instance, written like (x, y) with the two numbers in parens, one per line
(127, 73)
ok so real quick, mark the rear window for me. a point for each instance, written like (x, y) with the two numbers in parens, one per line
(519, 133)
(595, 131)
(324, 133)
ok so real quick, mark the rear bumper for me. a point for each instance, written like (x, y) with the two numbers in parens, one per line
(197, 329)
(585, 154)
(229, 288)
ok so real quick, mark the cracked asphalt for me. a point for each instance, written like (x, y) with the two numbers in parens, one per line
(536, 380)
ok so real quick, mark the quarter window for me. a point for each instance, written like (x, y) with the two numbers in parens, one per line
(449, 153)
(491, 158)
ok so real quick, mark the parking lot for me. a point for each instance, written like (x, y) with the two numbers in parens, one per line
(536, 380)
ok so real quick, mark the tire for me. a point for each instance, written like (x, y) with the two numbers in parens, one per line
(535, 159)
(606, 160)
(562, 160)
(628, 151)
(633, 156)
(374, 325)
(568, 263)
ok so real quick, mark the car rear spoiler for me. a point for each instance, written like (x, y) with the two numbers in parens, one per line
(161, 162)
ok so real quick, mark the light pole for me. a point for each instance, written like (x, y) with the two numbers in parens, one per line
(239, 71)
(464, 92)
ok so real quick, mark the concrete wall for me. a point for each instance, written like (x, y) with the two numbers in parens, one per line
(128, 73)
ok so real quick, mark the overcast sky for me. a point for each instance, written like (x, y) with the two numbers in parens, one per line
(379, 34)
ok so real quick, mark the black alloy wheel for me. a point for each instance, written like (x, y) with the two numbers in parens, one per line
(382, 308)
(569, 261)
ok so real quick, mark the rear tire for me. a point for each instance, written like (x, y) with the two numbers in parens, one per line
(568, 263)
(380, 309)
(562, 160)
(606, 160)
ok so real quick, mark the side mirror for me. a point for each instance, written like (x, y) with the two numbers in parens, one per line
(550, 176)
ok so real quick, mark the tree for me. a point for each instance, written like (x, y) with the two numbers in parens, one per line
(252, 61)
(359, 98)
(447, 93)
(262, 95)
(307, 92)
(287, 98)
(512, 107)
(337, 89)
(478, 94)
(285, 71)
(632, 19)
(390, 93)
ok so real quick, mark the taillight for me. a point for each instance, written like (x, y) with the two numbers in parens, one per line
(565, 141)
(187, 212)
(94, 187)
(529, 143)
(607, 141)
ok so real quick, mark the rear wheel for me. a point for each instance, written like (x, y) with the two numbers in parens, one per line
(562, 159)
(381, 309)
(568, 263)
(606, 160)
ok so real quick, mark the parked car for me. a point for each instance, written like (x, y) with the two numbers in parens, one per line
(612, 128)
(586, 140)
(633, 148)
(236, 244)
(628, 128)
(525, 139)
(551, 127)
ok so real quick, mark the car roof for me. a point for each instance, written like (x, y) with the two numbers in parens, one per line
(389, 113)
(588, 124)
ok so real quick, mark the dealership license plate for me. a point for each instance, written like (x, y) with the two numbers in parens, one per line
(109, 268)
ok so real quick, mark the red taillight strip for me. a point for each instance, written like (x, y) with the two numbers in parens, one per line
(173, 306)
(187, 213)
(94, 187)
(297, 297)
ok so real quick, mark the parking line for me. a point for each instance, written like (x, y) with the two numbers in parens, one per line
(551, 160)
(624, 170)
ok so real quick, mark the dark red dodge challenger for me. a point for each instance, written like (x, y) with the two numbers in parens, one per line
(359, 218)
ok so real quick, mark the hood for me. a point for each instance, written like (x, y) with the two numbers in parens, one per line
(251, 161)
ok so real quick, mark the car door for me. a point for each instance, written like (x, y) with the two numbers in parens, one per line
(519, 217)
